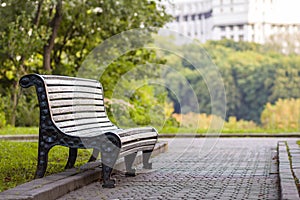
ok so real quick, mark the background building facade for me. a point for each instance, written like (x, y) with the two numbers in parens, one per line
(240, 20)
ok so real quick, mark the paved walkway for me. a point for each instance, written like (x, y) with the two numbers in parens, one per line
(214, 168)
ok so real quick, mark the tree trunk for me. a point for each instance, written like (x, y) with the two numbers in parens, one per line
(54, 24)
(15, 99)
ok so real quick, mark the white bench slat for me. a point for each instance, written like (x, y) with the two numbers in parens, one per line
(52, 82)
(138, 143)
(68, 78)
(92, 131)
(75, 109)
(60, 89)
(81, 115)
(74, 95)
(133, 131)
(73, 102)
(125, 139)
(82, 122)
(82, 127)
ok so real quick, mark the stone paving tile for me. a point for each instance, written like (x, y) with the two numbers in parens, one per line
(224, 168)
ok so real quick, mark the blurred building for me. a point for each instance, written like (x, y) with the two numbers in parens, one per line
(240, 20)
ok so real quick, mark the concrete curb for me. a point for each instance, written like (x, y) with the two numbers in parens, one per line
(19, 137)
(56, 185)
(288, 185)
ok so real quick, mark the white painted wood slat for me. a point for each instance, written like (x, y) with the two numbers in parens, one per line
(74, 95)
(74, 109)
(80, 122)
(74, 102)
(60, 89)
(80, 115)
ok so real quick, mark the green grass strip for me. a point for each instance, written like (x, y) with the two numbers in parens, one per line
(19, 130)
(18, 162)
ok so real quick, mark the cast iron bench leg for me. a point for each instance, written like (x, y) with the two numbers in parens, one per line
(72, 158)
(108, 162)
(94, 155)
(146, 157)
(110, 150)
(42, 161)
(129, 159)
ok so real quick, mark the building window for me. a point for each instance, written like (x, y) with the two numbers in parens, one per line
(241, 37)
(241, 27)
(222, 28)
(185, 18)
(232, 37)
(177, 19)
(208, 14)
(199, 16)
(193, 17)
(231, 28)
(223, 37)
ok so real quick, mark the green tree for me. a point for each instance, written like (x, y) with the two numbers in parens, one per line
(54, 36)
(252, 76)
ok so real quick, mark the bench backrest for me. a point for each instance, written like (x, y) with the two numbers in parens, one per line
(76, 105)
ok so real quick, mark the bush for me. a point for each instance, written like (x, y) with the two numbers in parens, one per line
(28, 109)
(234, 124)
(199, 121)
(204, 122)
(284, 114)
(137, 113)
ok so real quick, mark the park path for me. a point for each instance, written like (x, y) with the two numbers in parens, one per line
(212, 168)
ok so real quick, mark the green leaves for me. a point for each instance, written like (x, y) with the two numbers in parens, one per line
(55, 36)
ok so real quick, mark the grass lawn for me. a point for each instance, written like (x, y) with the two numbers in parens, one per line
(18, 162)
(19, 130)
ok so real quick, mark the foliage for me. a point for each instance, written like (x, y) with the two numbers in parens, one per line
(234, 124)
(2, 115)
(204, 122)
(15, 170)
(284, 114)
(54, 37)
(141, 108)
(252, 76)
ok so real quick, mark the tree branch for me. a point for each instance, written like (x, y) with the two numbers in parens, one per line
(37, 18)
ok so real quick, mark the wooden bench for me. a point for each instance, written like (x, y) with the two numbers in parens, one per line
(72, 114)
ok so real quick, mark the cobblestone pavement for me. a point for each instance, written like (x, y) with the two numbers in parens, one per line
(213, 168)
